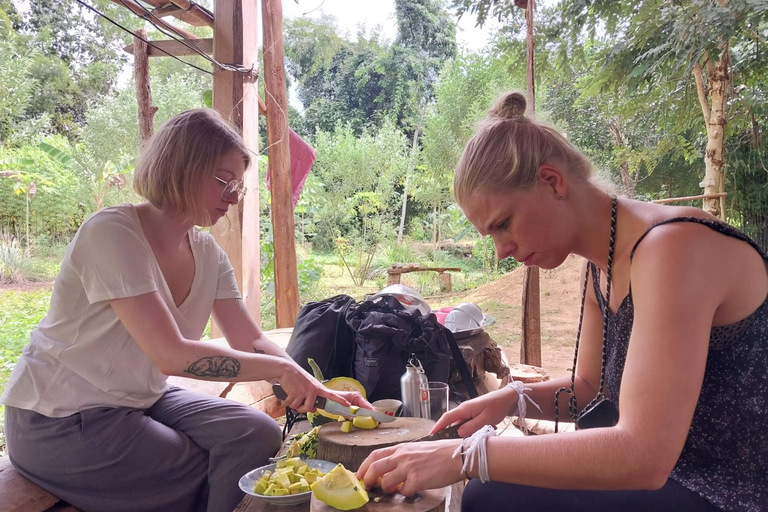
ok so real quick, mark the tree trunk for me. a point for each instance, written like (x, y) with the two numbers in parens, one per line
(712, 98)
(414, 145)
(434, 227)
(143, 90)
(629, 182)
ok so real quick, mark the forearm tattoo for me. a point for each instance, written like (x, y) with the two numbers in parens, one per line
(216, 366)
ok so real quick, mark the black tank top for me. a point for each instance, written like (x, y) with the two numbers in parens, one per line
(725, 457)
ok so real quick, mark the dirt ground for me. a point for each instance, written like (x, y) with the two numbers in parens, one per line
(560, 292)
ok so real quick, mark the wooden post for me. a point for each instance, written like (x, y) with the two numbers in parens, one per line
(143, 90)
(286, 274)
(445, 282)
(235, 95)
(530, 344)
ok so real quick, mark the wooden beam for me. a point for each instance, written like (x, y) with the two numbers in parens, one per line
(180, 11)
(235, 95)
(195, 11)
(143, 90)
(176, 48)
(286, 274)
(142, 11)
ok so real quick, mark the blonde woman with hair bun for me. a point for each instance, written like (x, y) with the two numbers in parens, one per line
(670, 390)
(89, 414)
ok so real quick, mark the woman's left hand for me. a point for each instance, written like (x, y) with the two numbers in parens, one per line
(417, 466)
(355, 398)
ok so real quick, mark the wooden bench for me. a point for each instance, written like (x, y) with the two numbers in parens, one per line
(395, 271)
(18, 494)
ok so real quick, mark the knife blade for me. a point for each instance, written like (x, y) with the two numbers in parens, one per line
(446, 433)
(332, 407)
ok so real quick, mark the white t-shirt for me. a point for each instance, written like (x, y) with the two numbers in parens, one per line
(80, 355)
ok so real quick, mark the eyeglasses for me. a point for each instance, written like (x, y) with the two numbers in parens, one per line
(232, 187)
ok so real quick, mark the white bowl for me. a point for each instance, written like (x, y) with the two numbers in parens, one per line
(248, 482)
(458, 320)
(472, 310)
(407, 296)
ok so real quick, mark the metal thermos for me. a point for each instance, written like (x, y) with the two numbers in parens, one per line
(410, 387)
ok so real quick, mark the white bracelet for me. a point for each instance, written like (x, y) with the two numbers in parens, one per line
(476, 450)
(521, 398)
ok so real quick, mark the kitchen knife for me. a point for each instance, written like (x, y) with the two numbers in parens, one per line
(446, 433)
(332, 407)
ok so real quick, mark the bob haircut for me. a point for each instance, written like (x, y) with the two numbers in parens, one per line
(508, 149)
(177, 162)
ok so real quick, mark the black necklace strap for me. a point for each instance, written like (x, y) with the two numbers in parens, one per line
(572, 406)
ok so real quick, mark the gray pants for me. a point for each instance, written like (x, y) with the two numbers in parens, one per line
(185, 453)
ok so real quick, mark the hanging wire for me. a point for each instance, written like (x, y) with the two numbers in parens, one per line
(96, 11)
(148, 17)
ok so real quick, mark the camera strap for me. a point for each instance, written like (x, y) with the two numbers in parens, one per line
(572, 406)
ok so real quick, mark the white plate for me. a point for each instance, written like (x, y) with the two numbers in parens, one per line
(248, 482)
(487, 322)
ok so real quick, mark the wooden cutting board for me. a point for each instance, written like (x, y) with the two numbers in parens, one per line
(432, 500)
(351, 448)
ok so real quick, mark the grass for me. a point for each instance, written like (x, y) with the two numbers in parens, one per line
(20, 312)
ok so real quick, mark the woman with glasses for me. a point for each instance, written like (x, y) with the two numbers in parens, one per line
(89, 415)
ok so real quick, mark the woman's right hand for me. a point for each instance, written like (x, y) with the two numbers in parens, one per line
(303, 389)
(489, 409)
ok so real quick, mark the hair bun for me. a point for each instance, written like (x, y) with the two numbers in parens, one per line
(510, 105)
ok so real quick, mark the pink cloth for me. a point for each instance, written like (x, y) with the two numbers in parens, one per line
(302, 158)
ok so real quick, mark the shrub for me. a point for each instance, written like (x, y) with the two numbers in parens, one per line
(13, 264)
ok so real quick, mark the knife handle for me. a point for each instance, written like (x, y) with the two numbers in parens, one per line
(280, 393)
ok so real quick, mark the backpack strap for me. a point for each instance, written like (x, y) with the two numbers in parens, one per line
(466, 377)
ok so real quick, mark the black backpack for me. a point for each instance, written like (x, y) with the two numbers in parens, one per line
(371, 341)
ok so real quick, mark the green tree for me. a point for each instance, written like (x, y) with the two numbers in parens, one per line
(466, 87)
(688, 43)
(79, 57)
(354, 180)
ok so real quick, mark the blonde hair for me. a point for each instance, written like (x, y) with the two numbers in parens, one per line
(508, 149)
(177, 161)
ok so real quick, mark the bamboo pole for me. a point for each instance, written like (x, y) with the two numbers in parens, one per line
(689, 198)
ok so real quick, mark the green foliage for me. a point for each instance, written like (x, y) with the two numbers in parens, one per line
(354, 179)
(57, 208)
(20, 312)
(466, 87)
(16, 88)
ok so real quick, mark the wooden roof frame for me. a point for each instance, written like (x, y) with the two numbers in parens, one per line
(235, 95)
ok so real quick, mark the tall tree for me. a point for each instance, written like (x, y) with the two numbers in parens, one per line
(79, 58)
(685, 41)
(426, 38)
